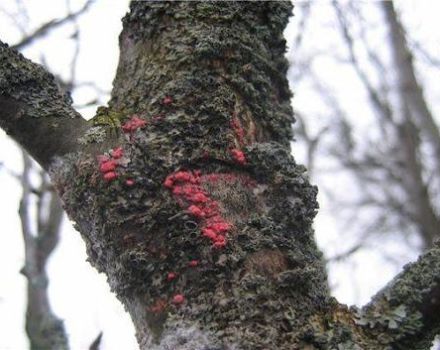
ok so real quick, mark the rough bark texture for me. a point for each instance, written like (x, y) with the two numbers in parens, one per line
(32, 104)
(188, 199)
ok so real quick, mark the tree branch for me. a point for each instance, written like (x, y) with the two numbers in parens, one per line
(48, 26)
(44, 329)
(34, 111)
(406, 313)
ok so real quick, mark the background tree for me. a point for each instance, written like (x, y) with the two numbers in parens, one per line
(40, 209)
(385, 152)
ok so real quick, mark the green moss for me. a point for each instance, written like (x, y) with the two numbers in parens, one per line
(107, 117)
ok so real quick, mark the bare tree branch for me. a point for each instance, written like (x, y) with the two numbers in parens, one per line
(411, 302)
(96, 343)
(408, 85)
(47, 27)
(34, 111)
(44, 329)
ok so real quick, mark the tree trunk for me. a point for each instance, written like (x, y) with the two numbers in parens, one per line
(415, 111)
(188, 199)
(44, 329)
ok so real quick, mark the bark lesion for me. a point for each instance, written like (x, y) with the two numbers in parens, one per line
(266, 262)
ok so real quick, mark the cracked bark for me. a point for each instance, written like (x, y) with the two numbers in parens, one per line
(209, 145)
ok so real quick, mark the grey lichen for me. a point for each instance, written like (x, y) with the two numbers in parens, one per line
(184, 336)
(95, 134)
(406, 307)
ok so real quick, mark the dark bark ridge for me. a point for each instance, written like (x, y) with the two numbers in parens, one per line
(197, 134)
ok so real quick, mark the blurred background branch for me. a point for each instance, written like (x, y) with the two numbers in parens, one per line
(40, 210)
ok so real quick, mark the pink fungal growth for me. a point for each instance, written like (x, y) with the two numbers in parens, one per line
(102, 158)
(193, 263)
(207, 232)
(178, 299)
(238, 156)
(220, 241)
(238, 130)
(133, 124)
(196, 211)
(110, 176)
(171, 276)
(117, 152)
(168, 182)
(108, 165)
(167, 100)
(199, 198)
(129, 182)
(188, 189)
(220, 227)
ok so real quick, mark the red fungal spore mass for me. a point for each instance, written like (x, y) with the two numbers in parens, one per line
(106, 166)
(102, 158)
(196, 211)
(171, 276)
(207, 232)
(200, 198)
(129, 182)
(117, 152)
(167, 100)
(193, 263)
(183, 176)
(220, 244)
(188, 189)
(238, 130)
(178, 299)
(109, 164)
(168, 183)
(220, 226)
(110, 176)
(238, 156)
(133, 124)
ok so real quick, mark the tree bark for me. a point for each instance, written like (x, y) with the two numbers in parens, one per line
(188, 199)
(32, 104)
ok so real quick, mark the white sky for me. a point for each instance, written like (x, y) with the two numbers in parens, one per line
(78, 294)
